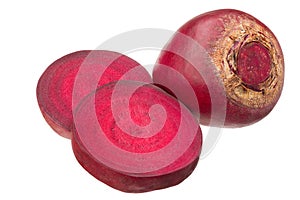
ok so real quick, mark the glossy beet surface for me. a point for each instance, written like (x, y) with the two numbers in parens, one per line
(136, 137)
(57, 92)
(225, 65)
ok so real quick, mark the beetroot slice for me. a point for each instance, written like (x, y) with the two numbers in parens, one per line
(135, 137)
(56, 85)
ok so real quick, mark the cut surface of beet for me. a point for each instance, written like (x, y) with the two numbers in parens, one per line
(135, 137)
(253, 63)
(56, 85)
(233, 63)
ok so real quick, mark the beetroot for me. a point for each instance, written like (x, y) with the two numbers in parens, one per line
(225, 65)
(55, 87)
(135, 137)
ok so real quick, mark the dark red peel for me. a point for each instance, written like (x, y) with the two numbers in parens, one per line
(232, 61)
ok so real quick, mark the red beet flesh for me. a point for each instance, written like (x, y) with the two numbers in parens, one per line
(135, 137)
(225, 65)
(253, 63)
(91, 69)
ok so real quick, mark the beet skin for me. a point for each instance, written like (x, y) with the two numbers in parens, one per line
(225, 65)
(91, 69)
(136, 137)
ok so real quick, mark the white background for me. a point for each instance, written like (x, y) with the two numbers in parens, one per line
(256, 162)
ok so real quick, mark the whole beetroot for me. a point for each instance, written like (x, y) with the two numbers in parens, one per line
(55, 91)
(225, 65)
(136, 137)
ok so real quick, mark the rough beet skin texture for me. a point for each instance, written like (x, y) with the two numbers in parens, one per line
(136, 137)
(225, 65)
(57, 93)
